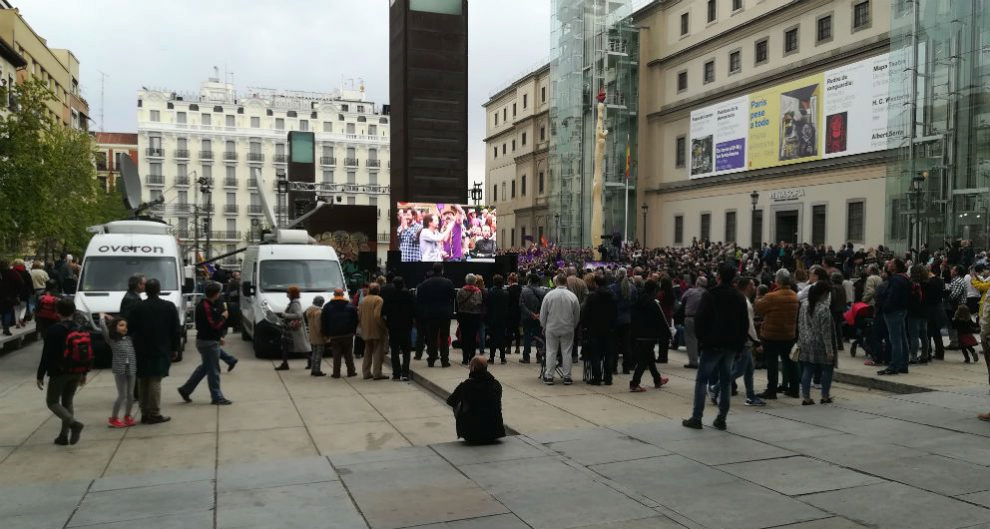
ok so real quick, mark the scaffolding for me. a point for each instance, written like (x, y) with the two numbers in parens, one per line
(595, 47)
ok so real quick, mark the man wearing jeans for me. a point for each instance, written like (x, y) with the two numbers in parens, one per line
(779, 310)
(722, 327)
(530, 301)
(211, 321)
(892, 302)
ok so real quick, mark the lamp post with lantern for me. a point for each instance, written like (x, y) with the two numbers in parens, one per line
(754, 197)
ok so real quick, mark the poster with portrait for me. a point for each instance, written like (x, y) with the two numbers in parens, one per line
(718, 138)
(431, 232)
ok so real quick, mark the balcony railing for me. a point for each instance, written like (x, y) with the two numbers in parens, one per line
(230, 209)
(155, 179)
(224, 235)
(206, 155)
(182, 180)
(230, 156)
(374, 163)
(155, 152)
(281, 158)
(252, 183)
(255, 157)
(182, 208)
(230, 182)
(182, 154)
(351, 162)
(328, 160)
(254, 210)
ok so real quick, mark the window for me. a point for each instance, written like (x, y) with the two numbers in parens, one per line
(180, 117)
(181, 170)
(512, 241)
(513, 110)
(543, 133)
(328, 176)
(762, 51)
(496, 119)
(861, 15)
(229, 121)
(706, 226)
(231, 173)
(351, 177)
(350, 128)
(680, 152)
(736, 5)
(513, 145)
(255, 147)
(522, 186)
(279, 123)
(543, 94)
(730, 226)
(291, 114)
(679, 229)
(791, 40)
(231, 146)
(183, 197)
(495, 152)
(504, 194)
(513, 195)
(495, 193)
(525, 96)
(818, 224)
(206, 171)
(279, 149)
(709, 72)
(204, 119)
(505, 114)
(681, 81)
(503, 149)
(303, 125)
(231, 200)
(327, 126)
(156, 115)
(207, 145)
(540, 183)
(156, 169)
(372, 130)
(684, 24)
(255, 122)
(854, 221)
(711, 10)
(824, 33)
(524, 139)
(735, 62)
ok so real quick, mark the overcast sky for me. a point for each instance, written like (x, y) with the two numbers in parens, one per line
(311, 46)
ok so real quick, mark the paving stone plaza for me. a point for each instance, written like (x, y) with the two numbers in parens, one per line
(298, 451)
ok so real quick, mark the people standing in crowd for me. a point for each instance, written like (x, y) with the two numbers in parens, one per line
(816, 343)
(598, 316)
(648, 325)
(973, 296)
(211, 322)
(482, 342)
(295, 340)
(560, 313)
(154, 324)
(39, 277)
(667, 298)
(837, 307)
(530, 300)
(625, 295)
(691, 300)
(313, 317)
(955, 297)
(232, 294)
(10, 292)
(374, 332)
(477, 404)
(64, 378)
(25, 307)
(399, 309)
(435, 297)
(744, 365)
(338, 323)
(135, 287)
(893, 303)
(578, 287)
(123, 365)
(496, 310)
(722, 326)
(934, 294)
(513, 314)
(917, 317)
(469, 306)
(779, 312)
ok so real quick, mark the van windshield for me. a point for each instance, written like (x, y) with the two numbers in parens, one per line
(308, 275)
(110, 273)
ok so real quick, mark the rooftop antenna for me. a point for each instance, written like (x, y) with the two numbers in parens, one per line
(103, 78)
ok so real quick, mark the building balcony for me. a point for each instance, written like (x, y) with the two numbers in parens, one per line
(255, 157)
(182, 208)
(205, 155)
(182, 154)
(224, 235)
(230, 182)
(374, 163)
(230, 209)
(154, 152)
(206, 209)
(155, 180)
(281, 158)
(351, 162)
(328, 160)
(254, 209)
(182, 180)
(230, 156)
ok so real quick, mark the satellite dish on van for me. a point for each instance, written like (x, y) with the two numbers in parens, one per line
(130, 183)
(265, 206)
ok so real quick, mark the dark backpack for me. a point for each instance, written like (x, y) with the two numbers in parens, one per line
(916, 298)
(46, 308)
(77, 357)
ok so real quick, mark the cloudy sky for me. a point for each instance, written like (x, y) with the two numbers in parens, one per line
(311, 46)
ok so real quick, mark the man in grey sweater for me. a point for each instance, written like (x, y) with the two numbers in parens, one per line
(559, 316)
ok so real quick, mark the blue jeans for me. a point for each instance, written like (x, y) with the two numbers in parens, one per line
(808, 370)
(743, 367)
(917, 331)
(897, 335)
(713, 361)
(226, 357)
(209, 352)
(531, 328)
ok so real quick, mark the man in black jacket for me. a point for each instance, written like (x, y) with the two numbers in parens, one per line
(339, 324)
(893, 303)
(211, 321)
(496, 316)
(435, 299)
(598, 318)
(722, 327)
(135, 286)
(154, 324)
(399, 309)
(62, 386)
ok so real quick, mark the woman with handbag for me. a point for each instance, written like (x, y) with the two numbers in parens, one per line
(295, 340)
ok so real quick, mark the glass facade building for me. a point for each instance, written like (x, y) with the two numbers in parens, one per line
(595, 47)
(938, 180)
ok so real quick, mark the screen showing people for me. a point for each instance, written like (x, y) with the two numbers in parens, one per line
(446, 232)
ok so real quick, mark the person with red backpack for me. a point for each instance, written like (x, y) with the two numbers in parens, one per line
(45, 314)
(66, 358)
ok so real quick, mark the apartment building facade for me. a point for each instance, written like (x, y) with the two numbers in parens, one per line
(517, 140)
(767, 120)
(239, 143)
(110, 148)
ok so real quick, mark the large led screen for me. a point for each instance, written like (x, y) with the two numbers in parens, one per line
(433, 232)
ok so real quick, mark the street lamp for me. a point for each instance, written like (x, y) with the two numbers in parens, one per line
(556, 220)
(206, 188)
(644, 207)
(282, 187)
(476, 193)
(254, 227)
(755, 234)
(918, 186)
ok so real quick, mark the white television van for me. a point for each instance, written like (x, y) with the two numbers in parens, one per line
(119, 250)
(267, 270)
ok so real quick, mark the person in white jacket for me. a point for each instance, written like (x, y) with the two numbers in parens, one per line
(559, 316)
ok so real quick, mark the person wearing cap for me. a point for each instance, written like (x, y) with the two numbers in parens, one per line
(338, 323)
(313, 317)
(477, 404)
